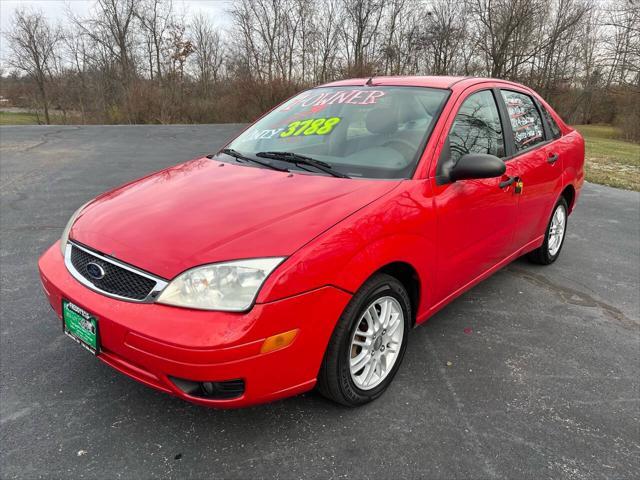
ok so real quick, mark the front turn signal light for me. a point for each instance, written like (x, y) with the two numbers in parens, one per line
(276, 342)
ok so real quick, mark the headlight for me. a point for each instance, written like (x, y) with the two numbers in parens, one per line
(230, 286)
(65, 233)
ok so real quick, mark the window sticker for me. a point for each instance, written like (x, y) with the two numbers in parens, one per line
(525, 120)
(265, 134)
(317, 99)
(310, 126)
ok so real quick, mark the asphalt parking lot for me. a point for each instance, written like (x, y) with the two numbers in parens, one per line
(543, 381)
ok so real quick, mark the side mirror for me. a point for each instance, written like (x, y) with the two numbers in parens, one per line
(477, 165)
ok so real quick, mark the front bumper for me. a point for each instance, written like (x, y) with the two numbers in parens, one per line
(153, 342)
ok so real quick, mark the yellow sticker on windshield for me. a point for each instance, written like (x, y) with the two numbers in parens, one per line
(311, 126)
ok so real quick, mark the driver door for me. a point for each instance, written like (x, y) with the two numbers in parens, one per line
(475, 217)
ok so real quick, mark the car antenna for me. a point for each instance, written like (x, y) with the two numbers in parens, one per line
(369, 82)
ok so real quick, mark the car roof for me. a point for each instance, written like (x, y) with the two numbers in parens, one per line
(420, 81)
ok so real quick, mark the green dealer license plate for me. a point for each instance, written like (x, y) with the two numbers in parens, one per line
(81, 326)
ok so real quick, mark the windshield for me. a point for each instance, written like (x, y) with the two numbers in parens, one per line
(371, 132)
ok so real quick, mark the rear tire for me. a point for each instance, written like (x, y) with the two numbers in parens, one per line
(368, 343)
(554, 236)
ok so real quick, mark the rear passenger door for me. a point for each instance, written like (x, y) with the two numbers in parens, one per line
(535, 162)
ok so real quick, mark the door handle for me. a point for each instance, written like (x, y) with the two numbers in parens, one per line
(553, 158)
(507, 182)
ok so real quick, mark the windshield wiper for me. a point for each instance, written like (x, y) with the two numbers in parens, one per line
(239, 156)
(298, 159)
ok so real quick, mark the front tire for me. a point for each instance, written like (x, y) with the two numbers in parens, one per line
(554, 236)
(368, 343)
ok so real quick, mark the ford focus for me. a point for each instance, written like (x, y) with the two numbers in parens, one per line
(303, 253)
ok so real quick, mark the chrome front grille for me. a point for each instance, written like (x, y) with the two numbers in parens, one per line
(111, 277)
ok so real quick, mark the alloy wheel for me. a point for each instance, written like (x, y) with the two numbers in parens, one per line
(376, 342)
(556, 230)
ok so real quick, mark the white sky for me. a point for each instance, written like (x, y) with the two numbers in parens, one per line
(55, 11)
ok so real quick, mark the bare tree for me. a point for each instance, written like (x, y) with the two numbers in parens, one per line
(622, 42)
(360, 32)
(443, 37)
(326, 23)
(78, 62)
(260, 26)
(503, 32)
(34, 47)
(209, 52)
(112, 28)
(155, 17)
(180, 50)
(558, 34)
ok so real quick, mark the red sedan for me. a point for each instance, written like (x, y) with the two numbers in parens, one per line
(303, 253)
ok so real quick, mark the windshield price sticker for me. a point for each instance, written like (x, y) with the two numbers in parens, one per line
(311, 126)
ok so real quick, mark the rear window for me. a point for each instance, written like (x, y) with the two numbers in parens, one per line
(372, 132)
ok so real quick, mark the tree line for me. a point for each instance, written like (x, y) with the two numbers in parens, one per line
(144, 61)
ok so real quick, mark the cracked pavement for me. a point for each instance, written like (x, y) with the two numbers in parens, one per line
(534, 373)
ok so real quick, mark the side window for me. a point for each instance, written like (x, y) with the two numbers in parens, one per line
(526, 122)
(555, 129)
(476, 128)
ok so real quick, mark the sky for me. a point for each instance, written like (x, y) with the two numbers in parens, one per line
(55, 11)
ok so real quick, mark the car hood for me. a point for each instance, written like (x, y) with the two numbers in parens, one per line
(204, 211)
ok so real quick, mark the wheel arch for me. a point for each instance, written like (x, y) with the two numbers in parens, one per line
(569, 194)
(408, 276)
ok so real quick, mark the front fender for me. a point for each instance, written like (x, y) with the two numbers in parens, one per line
(416, 251)
(397, 228)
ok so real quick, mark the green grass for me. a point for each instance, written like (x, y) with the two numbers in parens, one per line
(610, 160)
(26, 118)
(13, 118)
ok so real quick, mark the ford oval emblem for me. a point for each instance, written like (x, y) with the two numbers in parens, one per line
(95, 271)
